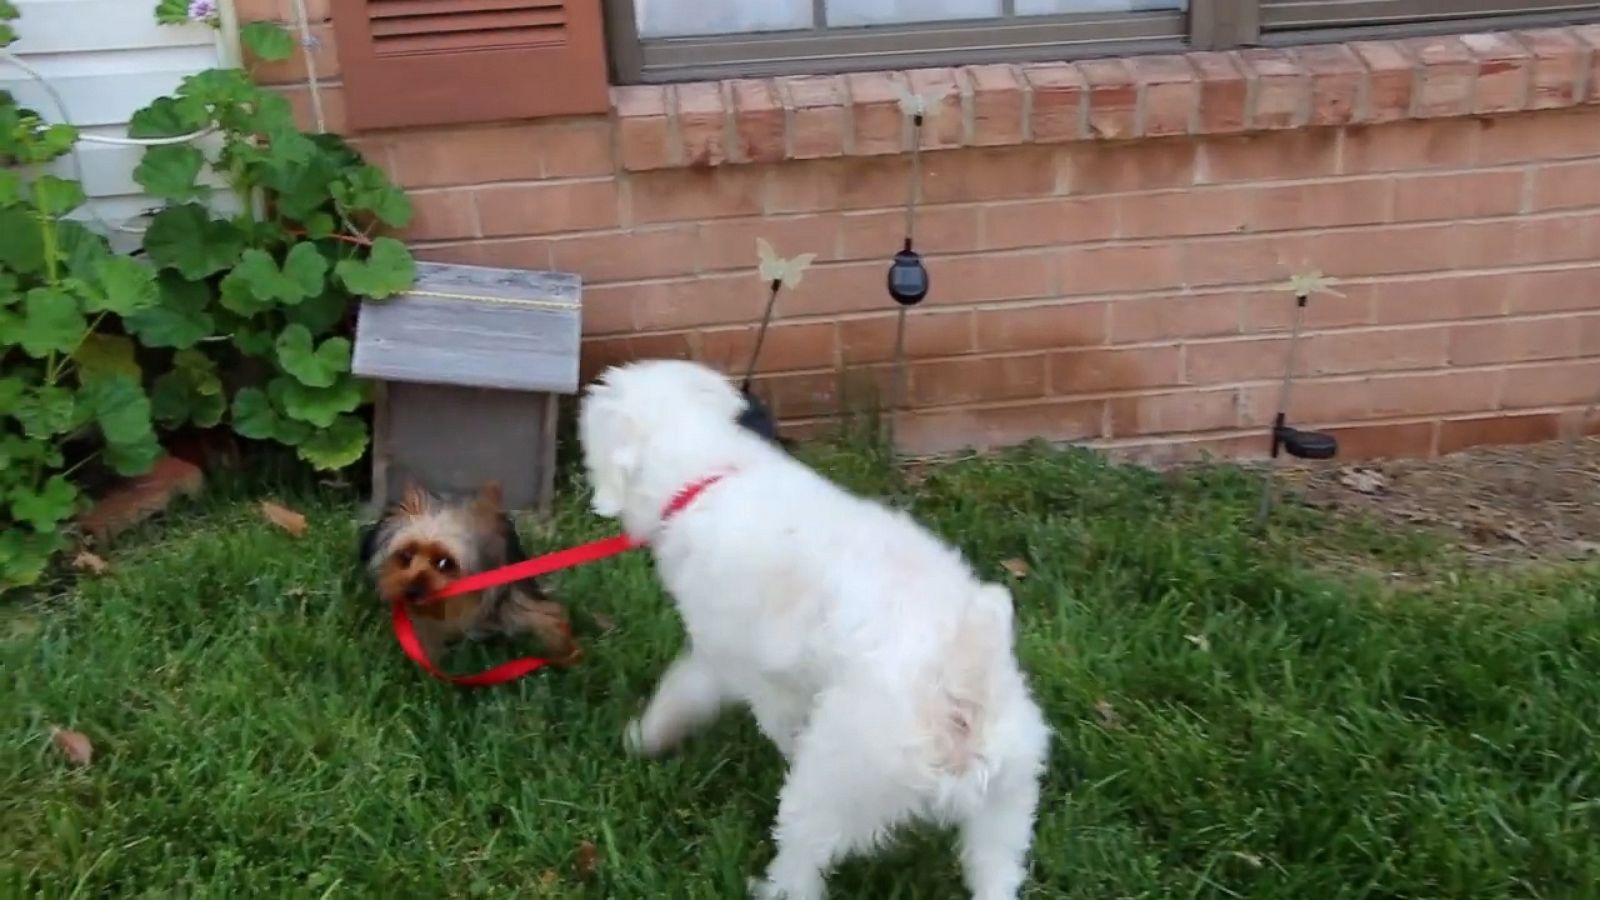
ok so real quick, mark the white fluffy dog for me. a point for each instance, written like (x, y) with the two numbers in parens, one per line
(870, 654)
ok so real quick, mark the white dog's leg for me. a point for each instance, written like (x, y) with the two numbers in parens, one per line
(780, 714)
(995, 838)
(688, 697)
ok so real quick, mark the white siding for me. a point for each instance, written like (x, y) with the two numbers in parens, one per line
(106, 59)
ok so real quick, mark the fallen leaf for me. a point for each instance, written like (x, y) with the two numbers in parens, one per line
(587, 861)
(284, 518)
(1513, 533)
(75, 744)
(1364, 481)
(1108, 714)
(89, 562)
(1201, 642)
(1017, 567)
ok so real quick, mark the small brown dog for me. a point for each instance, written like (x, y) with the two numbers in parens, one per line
(424, 543)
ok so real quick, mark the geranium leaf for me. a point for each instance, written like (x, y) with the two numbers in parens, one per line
(186, 238)
(388, 270)
(336, 446)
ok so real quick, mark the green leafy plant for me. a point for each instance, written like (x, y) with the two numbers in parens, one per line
(71, 390)
(252, 307)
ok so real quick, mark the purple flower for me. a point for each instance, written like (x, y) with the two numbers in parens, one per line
(202, 10)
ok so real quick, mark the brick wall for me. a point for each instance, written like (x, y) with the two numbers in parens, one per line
(1108, 240)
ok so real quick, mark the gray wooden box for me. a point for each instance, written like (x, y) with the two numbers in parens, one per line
(469, 364)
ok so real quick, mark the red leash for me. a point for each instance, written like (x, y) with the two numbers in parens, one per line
(594, 551)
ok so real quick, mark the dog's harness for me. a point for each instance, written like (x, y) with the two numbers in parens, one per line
(594, 551)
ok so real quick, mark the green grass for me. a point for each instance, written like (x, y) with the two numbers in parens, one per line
(258, 733)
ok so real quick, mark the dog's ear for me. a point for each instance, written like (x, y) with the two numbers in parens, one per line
(413, 499)
(490, 501)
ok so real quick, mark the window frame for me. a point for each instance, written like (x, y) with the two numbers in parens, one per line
(1208, 25)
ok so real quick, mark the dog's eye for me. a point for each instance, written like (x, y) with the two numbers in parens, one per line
(445, 564)
(405, 558)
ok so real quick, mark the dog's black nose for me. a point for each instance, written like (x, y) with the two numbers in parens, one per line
(413, 592)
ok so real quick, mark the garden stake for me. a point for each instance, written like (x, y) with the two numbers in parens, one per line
(778, 273)
(1299, 443)
(908, 277)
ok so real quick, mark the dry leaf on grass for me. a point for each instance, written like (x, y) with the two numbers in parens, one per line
(587, 861)
(1364, 481)
(75, 744)
(1017, 567)
(1200, 641)
(283, 517)
(89, 562)
(1108, 714)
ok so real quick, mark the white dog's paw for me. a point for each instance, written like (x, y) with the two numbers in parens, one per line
(633, 738)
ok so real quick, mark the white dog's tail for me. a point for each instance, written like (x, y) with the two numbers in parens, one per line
(971, 687)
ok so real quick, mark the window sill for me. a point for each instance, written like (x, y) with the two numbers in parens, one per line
(713, 123)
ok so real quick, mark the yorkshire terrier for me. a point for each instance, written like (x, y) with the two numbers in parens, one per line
(424, 543)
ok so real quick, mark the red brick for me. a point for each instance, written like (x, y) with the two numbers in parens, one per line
(469, 253)
(484, 155)
(758, 121)
(1224, 93)
(1410, 146)
(441, 215)
(1183, 411)
(599, 354)
(818, 117)
(1435, 393)
(626, 256)
(1302, 153)
(1506, 242)
(1267, 311)
(878, 235)
(788, 347)
(943, 125)
(1112, 98)
(678, 195)
(1269, 257)
(1558, 66)
(1280, 89)
(702, 123)
(1552, 384)
(281, 10)
(1385, 441)
(1389, 350)
(1115, 369)
(137, 499)
(1052, 327)
(986, 379)
(929, 334)
(609, 310)
(1163, 454)
(1505, 73)
(1224, 362)
(998, 105)
(1168, 318)
(848, 288)
(644, 127)
(334, 114)
(1558, 291)
(988, 277)
(548, 208)
(680, 304)
(1169, 94)
(1319, 204)
(1058, 93)
(881, 125)
(1059, 220)
(1566, 185)
(518, 253)
(1313, 401)
(1556, 134)
(1336, 79)
(1384, 251)
(1120, 268)
(1463, 195)
(1589, 35)
(324, 60)
(575, 148)
(1441, 298)
(946, 431)
(845, 184)
(1009, 173)
(1180, 213)
(805, 396)
(1445, 83)
(1140, 166)
(731, 243)
(1456, 435)
(1517, 340)
(1391, 79)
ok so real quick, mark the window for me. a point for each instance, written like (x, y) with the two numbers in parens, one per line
(679, 40)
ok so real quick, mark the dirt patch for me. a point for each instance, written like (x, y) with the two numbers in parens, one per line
(1538, 502)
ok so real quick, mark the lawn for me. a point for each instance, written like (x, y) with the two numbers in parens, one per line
(1235, 717)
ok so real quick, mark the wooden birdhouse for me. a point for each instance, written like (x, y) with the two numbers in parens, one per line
(470, 364)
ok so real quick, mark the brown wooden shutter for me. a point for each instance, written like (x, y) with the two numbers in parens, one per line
(435, 62)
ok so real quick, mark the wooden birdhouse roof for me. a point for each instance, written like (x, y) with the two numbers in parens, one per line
(475, 326)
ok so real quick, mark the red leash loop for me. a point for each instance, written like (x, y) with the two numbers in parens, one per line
(594, 551)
